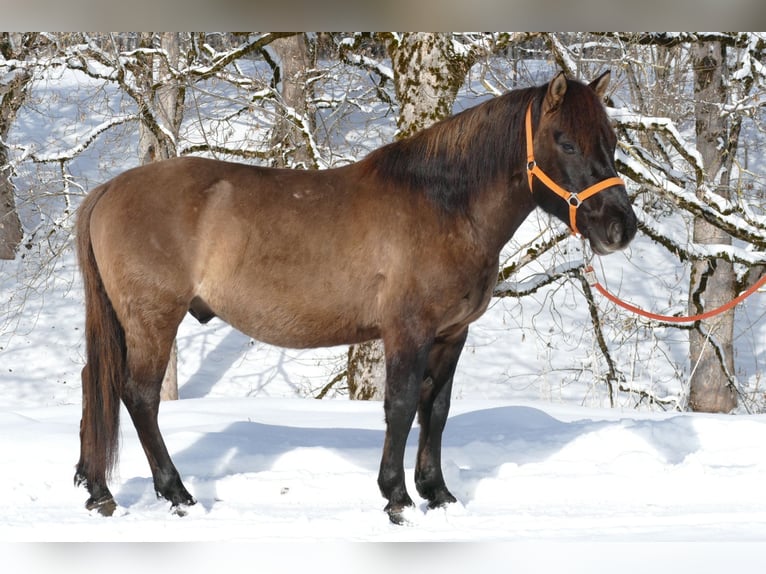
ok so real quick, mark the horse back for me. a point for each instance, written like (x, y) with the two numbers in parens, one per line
(290, 257)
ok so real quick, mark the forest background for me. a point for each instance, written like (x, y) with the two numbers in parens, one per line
(688, 109)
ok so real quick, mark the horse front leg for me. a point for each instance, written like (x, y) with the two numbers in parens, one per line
(433, 410)
(405, 367)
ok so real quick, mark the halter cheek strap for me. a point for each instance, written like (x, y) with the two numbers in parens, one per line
(572, 198)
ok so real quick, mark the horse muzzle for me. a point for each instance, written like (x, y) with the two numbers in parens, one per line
(612, 226)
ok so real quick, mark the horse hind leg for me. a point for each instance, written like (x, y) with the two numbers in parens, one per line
(149, 347)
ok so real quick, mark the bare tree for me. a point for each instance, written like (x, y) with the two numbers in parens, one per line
(14, 86)
(163, 98)
(712, 386)
(292, 134)
(655, 109)
(720, 99)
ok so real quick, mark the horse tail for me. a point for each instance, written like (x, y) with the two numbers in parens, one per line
(106, 364)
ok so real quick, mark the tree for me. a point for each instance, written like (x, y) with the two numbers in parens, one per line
(292, 134)
(721, 100)
(336, 113)
(712, 386)
(14, 87)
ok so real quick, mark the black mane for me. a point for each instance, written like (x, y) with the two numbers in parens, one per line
(456, 157)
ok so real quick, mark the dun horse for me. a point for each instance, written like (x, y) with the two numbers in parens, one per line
(402, 246)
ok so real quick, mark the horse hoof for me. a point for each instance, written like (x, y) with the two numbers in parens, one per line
(444, 500)
(402, 516)
(399, 519)
(179, 510)
(182, 508)
(105, 506)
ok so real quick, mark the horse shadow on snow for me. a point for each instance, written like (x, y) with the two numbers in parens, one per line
(475, 446)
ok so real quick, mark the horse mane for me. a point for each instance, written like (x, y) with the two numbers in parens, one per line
(456, 157)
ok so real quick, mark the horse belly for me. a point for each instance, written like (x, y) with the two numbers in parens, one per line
(296, 320)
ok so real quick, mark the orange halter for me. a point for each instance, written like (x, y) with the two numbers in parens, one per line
(573, 199)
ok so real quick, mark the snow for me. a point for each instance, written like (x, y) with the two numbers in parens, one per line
(546, 477)
(292, 469)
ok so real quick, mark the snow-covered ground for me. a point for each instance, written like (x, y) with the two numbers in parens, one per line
(299, 469)
(530, 451)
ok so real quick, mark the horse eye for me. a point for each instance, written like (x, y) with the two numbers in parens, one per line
(564, 142)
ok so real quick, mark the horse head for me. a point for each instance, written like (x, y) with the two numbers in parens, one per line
(570, 163)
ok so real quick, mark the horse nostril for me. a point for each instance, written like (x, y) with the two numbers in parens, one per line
(614, 232)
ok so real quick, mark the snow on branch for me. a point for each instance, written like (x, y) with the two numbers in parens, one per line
(517, 289)
(304, 125)
(369, 64)
(229, 151)
(631, 120)
(663, 177)
(561, 54)
(85, 140)
(532, 252)
(670, 39)
(223, 59)
(690, 251)
(346, 49)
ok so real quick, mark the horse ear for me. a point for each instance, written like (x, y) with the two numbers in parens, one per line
(600, 84)
(556, 90)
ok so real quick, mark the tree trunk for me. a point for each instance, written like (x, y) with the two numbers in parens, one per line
(11, 231)
(12, 96)
(170, 101)
(711, 350)
(291, 63)
(427, 77)
(166, 106)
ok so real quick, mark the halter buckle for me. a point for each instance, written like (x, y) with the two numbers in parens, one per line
(574, 200)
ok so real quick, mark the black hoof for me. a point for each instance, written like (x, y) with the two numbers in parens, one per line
(441, 500)
(175, 492)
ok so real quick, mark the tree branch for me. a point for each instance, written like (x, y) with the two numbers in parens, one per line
(85, 141)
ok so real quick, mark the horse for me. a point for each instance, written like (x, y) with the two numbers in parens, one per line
(402, 245)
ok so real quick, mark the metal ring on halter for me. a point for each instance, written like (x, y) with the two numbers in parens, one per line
(574, 200)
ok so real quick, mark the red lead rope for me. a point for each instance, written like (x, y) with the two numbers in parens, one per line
(590, 276)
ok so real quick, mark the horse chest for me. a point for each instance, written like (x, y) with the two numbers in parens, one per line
(470, 300)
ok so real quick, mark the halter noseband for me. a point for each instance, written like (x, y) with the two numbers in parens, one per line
(573, 199)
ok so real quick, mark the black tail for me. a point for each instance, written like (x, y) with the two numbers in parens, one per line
(105, 369)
